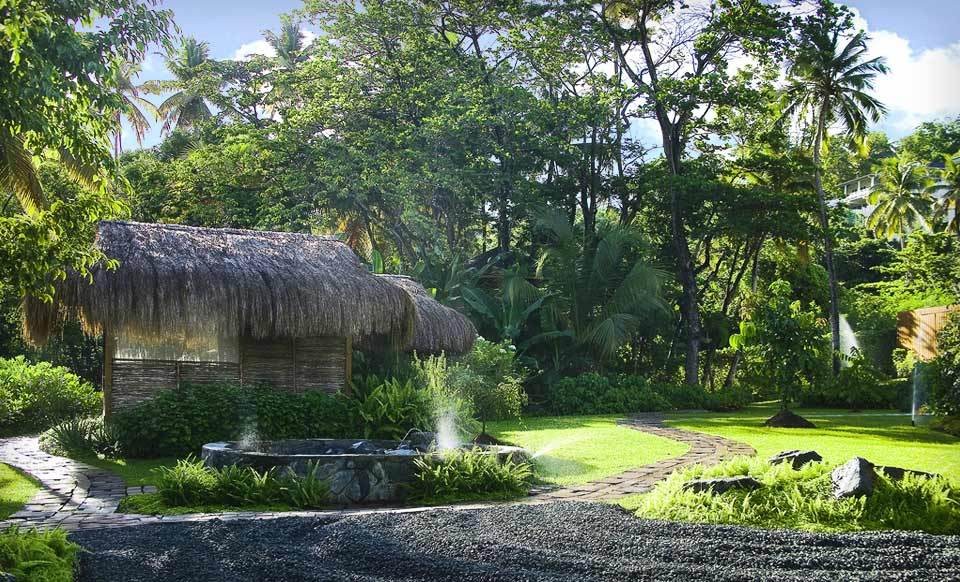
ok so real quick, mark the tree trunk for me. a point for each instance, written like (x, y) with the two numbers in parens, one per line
(689, 298)
(827, 238)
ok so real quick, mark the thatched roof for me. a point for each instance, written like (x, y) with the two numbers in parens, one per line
(181, 281)
(437, 328)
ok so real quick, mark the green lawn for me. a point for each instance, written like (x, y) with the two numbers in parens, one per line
(881, 437)
(576, 449)
(15, 490)
(133, 471)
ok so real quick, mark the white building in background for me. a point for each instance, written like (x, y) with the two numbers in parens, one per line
(856, 192)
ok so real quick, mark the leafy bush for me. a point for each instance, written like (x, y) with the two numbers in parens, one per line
(37, 556)
(177, 422)
(34, 397)
(803, 500)
(947, 424)
(859, 385)
(461, 475)
(190, 483)
(80, 435)
(390, 408)
(592, 393)
(945, 384)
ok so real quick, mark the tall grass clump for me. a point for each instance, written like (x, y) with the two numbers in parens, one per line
(469, 475)
(37, 556)
(803, 499)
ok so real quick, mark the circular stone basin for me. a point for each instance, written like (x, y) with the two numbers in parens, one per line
(358, 471)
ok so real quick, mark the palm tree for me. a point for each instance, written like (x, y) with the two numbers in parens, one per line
(18, 175)
(185, 108)
(133, 106)
(288, 43)
(948, 189)
(601, 297)
(830, 82)
(901, 199)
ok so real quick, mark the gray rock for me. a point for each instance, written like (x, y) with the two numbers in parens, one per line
(853, 478)
(721, 485)
(796, 458)
(897, 473)
(7, 577)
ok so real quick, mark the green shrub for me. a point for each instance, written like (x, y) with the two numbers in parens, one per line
(178, 422)
(190, 483)
(859, 385)
(388, 409)
(34, 397)
(463, 475)
(592, 393)
(37, 556)
(81, 435)
(803, 500)
(947, 424)
(945, 384)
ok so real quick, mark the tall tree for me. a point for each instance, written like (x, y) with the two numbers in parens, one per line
(676, 58)
(901, 198)
(58, 101)
(287, 42)
(830, 80)
(185, 107)
(133, 107)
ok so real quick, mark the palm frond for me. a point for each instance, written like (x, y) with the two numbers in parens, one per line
(18, 174)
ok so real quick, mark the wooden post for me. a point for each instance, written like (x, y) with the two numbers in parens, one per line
(348, 367)
(109, 350)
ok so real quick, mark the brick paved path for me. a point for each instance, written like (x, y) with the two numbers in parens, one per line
(78, 496)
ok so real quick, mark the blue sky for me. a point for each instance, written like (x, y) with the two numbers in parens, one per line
(919, 38)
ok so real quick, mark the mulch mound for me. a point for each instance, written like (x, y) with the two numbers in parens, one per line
(787, 419)
(485, 439)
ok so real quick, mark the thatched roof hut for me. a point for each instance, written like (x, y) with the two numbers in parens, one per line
(436, 327)
(188, 304)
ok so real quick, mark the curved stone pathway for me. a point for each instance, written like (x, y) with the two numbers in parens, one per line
(78, 496)
(705, 449)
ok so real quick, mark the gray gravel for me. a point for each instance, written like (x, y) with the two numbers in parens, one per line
(558, 541)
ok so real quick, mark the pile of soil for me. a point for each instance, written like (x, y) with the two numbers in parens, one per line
(485, 439)
(788, 419)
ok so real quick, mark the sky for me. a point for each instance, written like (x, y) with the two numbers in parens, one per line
(920, 40)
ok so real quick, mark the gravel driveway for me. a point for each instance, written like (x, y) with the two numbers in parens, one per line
(559, 541)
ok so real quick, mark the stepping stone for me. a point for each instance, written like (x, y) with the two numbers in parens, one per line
(796, 458)
(721, 485)
(853, 479)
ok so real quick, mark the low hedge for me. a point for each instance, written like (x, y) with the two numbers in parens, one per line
(34, 397)
(593, 393)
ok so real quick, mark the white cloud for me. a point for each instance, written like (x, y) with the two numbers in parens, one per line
(921, 85)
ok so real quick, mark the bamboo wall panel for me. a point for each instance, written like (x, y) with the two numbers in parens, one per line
(134, 381)
(268, 361)
(917, 330)
(321, 363)
(209, 373)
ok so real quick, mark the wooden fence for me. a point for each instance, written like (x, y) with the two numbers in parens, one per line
(917, 330)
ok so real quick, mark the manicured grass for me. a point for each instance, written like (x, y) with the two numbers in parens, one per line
(576, 449)
(153, 504)
(15, 490)
(133, 471)
(881, 437)
(803, 500)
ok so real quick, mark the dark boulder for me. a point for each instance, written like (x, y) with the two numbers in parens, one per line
(721, 485)
(853, 479)
(796, 458)
(897, 473)
(788, 419)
